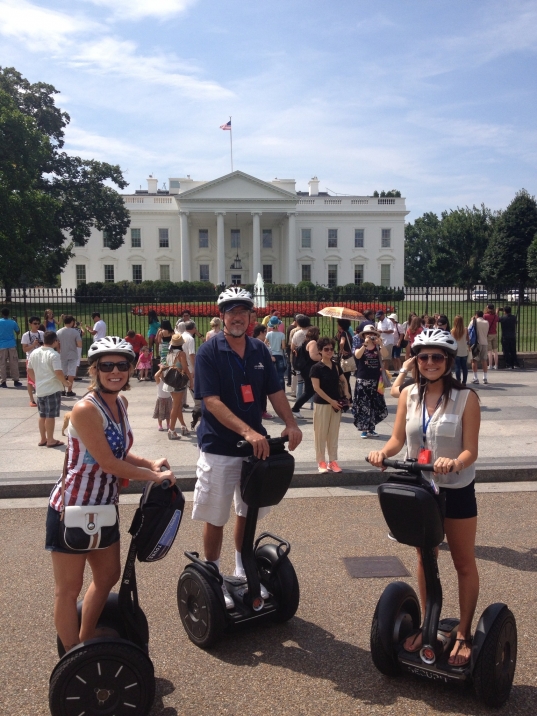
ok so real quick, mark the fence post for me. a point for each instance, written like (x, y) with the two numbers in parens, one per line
(126, 310)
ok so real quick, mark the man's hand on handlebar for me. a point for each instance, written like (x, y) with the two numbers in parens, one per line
(295, 436)
(376, 458)
(259, 444)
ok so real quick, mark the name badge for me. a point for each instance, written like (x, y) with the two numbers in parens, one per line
(247, 393)
(425, 456)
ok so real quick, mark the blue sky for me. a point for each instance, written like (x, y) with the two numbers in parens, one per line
(435, 98)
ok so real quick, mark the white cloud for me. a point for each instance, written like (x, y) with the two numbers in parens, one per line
(91, 145)
(137, 9)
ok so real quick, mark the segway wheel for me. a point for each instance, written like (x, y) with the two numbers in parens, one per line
(102, 676)
(283, 583)
(397, 614)
(199, 609)
(495, 667)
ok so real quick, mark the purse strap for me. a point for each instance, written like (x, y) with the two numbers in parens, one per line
(64, 475)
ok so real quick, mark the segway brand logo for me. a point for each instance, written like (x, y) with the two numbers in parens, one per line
(259, 366)
(431, 675)
(166, 540)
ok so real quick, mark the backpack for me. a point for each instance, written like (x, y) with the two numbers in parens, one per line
(302, 358)
(472, 333)
(156, 521)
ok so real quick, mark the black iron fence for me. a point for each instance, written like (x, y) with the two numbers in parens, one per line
(126, 310)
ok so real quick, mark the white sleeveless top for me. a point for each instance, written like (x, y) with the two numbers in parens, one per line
(443, 435)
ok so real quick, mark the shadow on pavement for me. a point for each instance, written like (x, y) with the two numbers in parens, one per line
(163, 687)
(522, 561)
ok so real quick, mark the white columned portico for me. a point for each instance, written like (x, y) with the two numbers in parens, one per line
(256, 237)
(220, 249)
(185, 247)
(291, 245)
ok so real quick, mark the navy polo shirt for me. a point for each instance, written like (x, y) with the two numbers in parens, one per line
(220, 371)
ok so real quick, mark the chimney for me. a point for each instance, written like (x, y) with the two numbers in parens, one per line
(152, 185)
(314, 186)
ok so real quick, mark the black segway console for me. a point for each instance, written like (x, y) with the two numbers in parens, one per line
(113, 673)
(414, 511)
(199, 592)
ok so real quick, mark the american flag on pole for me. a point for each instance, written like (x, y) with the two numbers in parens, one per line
(227, 125)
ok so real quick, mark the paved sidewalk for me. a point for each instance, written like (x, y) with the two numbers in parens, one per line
(508, 447)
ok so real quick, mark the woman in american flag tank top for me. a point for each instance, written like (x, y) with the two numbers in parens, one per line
(100, 440)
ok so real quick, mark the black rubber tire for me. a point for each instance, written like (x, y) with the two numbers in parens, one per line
(283, 584)
(495, 667)
(400, 608)
(121, 673)
(110, 620)
(199, 609)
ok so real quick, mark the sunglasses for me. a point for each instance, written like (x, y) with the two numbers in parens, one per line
(108, 366)
(34, 323)
(328, 349)
(435, 357)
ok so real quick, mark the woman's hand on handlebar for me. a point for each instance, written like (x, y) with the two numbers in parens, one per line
(160, 476)
(443, 465)
(157, 465)
(376, 458)
(259, 444)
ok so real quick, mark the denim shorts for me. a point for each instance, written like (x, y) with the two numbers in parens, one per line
(461, 503)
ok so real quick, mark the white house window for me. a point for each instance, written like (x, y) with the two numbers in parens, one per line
(305, 238)
(332, 238)
(306, 272)
(164, 272)
(235, 238)
(267, 273)
(80, 274)
(203, 238)
(386, 239)
(137, 273)
(267, 238)
(332, 275)
(163, 239)
(204, 272)
(109, 273)
(136, 238)
(358, 274)
(358, 238)
(236, 279)
(107, 241)
(385, 275)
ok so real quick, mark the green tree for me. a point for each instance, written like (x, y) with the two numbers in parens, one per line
(532, 261)
(47, 196)
(505, 263)
(462, 241)
(421, 239)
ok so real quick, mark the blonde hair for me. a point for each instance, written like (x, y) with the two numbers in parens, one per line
(458, 329)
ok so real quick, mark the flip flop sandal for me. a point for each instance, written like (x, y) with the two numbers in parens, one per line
(459, 644)
(56, 444)
(413, 635)
(42, 444)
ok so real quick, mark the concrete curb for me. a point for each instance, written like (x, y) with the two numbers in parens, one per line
(31, 487)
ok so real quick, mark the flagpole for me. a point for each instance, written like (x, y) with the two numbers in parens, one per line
(231, 142)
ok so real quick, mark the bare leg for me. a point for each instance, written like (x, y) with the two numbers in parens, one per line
(42, 430)
(68, 577)
(495, 355)
(49, 429)
(212, 541)
(106, 569)
(460, 535)
(177, 412)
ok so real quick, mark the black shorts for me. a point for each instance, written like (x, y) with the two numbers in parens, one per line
(460, 502)
(53, 540)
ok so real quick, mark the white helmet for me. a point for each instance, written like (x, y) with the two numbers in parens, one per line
(108, 345)
(234, 296)
(435, 338)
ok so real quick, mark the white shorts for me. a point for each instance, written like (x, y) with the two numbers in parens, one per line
(218, 482)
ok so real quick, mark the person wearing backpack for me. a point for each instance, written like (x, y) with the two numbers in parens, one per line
(307, 356)
(477, 333)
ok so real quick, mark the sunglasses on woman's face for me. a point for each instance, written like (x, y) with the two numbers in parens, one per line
(435, 357)
(108, 366)
(328, 349)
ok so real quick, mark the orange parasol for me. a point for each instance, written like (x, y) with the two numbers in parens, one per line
(340, 312)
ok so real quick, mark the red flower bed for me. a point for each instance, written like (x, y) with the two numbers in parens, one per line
(287, 309)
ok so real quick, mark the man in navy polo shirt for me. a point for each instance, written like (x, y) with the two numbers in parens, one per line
(234, 374)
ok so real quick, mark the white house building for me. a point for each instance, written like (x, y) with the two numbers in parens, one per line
(230, 229)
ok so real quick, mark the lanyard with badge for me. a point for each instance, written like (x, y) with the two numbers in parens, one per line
(425, 456)
(246, 388)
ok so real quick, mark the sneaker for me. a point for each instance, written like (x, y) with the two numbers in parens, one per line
(373, 434)
(267, 416)
(298, 415)
(485, 381)
(228, 599)
(475, 381)
(364, 435)
(494, 367)
(186, 406)
(172, 435)
(70, 394)
(262, 589)
(17, 384)
(322, 467)
(3, 385)
(334, 467)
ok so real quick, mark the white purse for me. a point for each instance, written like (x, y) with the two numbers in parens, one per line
(89, 527)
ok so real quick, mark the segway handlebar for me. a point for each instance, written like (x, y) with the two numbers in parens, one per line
(165, 484)
(271, 441)
(412, 466)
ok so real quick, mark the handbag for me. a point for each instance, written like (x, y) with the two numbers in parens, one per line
(175, 378)
(87, 527)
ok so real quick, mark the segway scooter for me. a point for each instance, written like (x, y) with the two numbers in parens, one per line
(199, 592)
(113, 674)
(413, 509)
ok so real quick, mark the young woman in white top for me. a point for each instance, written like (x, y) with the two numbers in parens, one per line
(438, 414)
